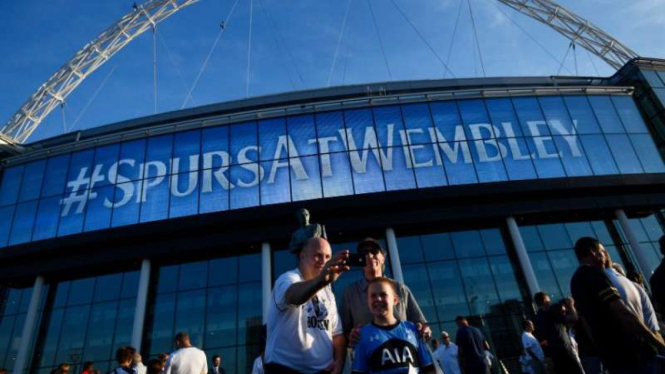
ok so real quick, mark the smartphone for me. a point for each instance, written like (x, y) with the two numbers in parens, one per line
(356, 260)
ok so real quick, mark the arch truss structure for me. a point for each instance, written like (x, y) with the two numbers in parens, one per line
(56, 89)
(575, 28)
(144, 17)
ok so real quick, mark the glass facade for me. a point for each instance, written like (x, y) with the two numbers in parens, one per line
(468, 273)
(322, 155)
(86, 320)
(14, 303)
(218, 302)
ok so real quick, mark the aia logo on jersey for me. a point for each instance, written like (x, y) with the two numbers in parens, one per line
(394, 353)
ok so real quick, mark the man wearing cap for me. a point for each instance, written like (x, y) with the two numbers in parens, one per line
(355, 311)
(304, 332)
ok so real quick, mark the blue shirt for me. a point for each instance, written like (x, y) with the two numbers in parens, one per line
(390, 349)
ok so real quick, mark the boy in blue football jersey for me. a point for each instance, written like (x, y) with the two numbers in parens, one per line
(388, 345)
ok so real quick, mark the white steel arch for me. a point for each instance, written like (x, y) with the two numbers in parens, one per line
(56, 89)
(575, 28)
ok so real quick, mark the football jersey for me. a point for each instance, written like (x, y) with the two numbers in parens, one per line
(392, 349)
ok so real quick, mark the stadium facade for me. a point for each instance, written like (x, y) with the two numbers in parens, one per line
(478, 188)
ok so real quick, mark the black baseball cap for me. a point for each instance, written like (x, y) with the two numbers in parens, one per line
(368, 244)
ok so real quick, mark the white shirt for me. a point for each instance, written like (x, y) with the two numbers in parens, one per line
(258, 366)
(628, 291)
(300, 336)
(648, 313)
(447, 357)
(189, 360)
(530, 342)
(140, 368)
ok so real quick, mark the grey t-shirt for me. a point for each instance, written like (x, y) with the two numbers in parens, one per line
(355, 310)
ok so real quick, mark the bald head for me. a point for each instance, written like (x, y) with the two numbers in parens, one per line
(314, 255)
(182, 340)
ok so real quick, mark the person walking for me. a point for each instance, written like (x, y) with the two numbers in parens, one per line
(535, 358)
(447, 355)
(304, 330)
(625, 344)
(472, 347)
(124, 356)
(187, 359)
(217, 365)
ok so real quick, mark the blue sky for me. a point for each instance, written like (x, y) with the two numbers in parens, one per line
(293, 48)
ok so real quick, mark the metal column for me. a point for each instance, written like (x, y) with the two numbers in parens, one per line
(523, 257)
(641, 257)
(391, 240)
(266, 278)
(141, 301)
(29, 325)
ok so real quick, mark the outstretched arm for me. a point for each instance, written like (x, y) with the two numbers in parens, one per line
(298, 293)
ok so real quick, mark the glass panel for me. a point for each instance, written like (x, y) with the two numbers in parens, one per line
(661, 74)
(107, 287)
(447, 122)
(100, 325)
(125, 206)
(458, 163)
(629, 114)
(531, 238)
(155, 197)
(247, 266)
(186, 151)
(11, 184)
(427, 165)
(493, 242)
(518, 161)
(652, 78)
(246, 180)
(223, 271)
(503, 118)
(130, 284)
(545, 275)
(479, 285)
(158, 156)
(221, 317)
(648, 153)
(506, 283)
(215, 187)
(467, 243)
(124, 323)
(192, 276)
(98, 215)
(249, 313)
(418, 123)
(215, 147)
(360, 129)
(51, 339)
(190, 311)
(531, 117)
(105, 158)
(55, 176)
(6, 224)
(244, 137)
(305, 178)
(303, 134)
(564, 264)
(409, 249)
(449, 295)
(389, 126)
(272, 139)
(32, 181)
(624, 154)
(415, 276)
(582, 115)
(24, 220)
(339, 182)
(80, 291)
(184, 194)
(600, 157)
(160, 335)
(168, 278)
(572, 156)
(331, 132)
(72, 335)
(607, 116)
(487, 157)
(555, 236)
(367, 175)
(132, 154)
(437, 247)
(545, 157)
(397, 168)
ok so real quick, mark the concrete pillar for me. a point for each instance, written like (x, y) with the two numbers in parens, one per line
(523, 256)
(29, 326)
(141, 302)
(642, 259)
(266, 278)
(393, 252)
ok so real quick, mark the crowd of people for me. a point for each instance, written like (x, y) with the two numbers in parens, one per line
(609, 326)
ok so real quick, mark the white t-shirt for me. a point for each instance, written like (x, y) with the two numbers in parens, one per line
(258, 366)
(530, 342)
(300, 336)
(447, 358)
(189, 360)
(648, 313)
(628, 291)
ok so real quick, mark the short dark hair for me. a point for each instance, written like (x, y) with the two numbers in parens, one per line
(87, 365)
(460, 318)
(124, 354)
(387, 281)
(63, 364)
(583, 246)
(526, 323)
(154, 366)
(216, 357)
(539, 298)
